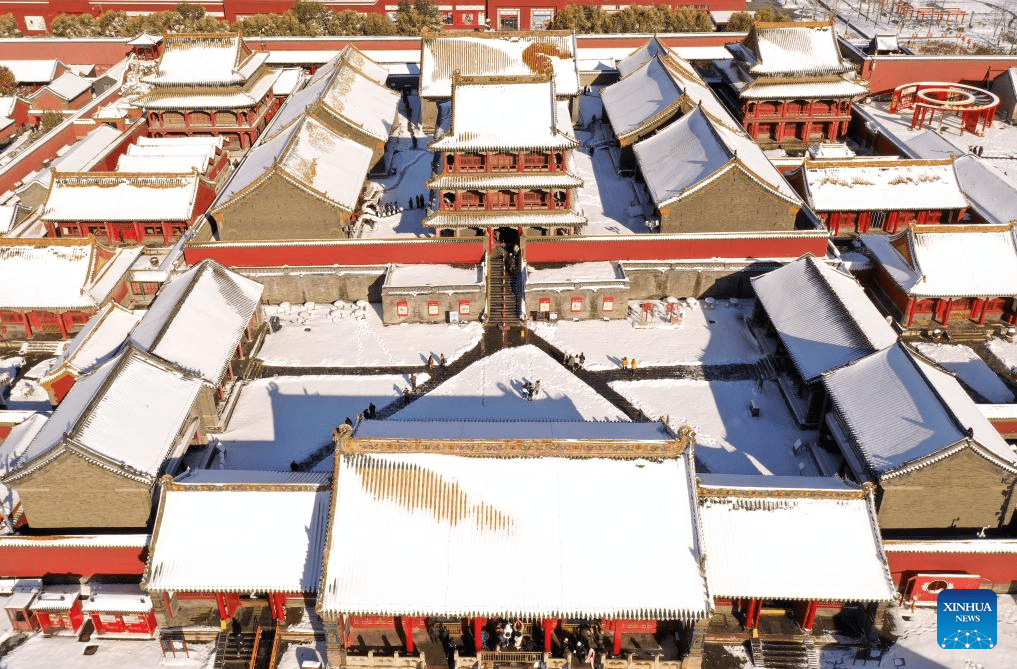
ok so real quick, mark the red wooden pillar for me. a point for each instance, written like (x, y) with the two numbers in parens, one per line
(752, 613)
(407, 624)
(478, 631)
(947, 310)
(809, 617)
(978, 310)
(619, 631)
(220, 599)
(909, 312)
(549, 625)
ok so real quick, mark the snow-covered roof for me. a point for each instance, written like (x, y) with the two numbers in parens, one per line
(920, 413)
(641, 56)
(644, 97)
(497, 54)
(945, 261)
(33, 71)
(992, 196)
(154, 163)
(805, 544)
(288, 81)
(207, 303)
(115, 196)
(697, 149)
(60, 274)
(369, 106)
(78, 157)
(796, 48)
(823, 317)
(215, 142)
(240, 97)
(830, 87)
(69, 85)
(278, 548)
(459, 220)
(145, 39)
(25, 590)
(491, 113)
(470, 514)
(8, 214)
(126, 416)
(204, 59)
(56, 598)
(100, 338)
(358, 59)
(432, 276)
(861, 185)
(575, 275)
(116, 597)
(207, 151)
(588, 432)
(886, 42)
(309, 155)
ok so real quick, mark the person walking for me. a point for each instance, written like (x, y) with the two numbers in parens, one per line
(442, 361)
(632, 365)
(406, 395)
(625, 363)
(536, 388)
(236, 631)
(413, 380)
(372, 411)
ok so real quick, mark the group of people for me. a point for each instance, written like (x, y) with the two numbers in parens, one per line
(417, 202)
(433, 362)
(531, 388)
(629, 364)
(574, 362)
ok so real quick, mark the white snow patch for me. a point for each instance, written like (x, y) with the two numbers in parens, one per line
(917, 647)
(412, 171)
(492, 389)
(970, 369)
(287, 418)
(728, 439)
(349, 336)
(66, 653)
(1005, 352)
(706, 336)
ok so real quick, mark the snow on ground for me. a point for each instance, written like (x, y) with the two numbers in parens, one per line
(918, 648)
(67, 653)
(413, 169)
(338, 337)
(1005, 352)
(706, 336)
(970, 369)
(286, 418)
(295, 655)
(606, 198)
(728, 439)
(28, 395)
(492, 389)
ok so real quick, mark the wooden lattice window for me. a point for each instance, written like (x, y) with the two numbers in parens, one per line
(535, 199)
(503, 162)
(503, 199)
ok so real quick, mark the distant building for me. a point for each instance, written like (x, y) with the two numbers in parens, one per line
(578, 290)
(66, 92)
(861, 196)
(433, 293)
(495, 54)
(793, 85)
(121, 207)
(210, 84)
(49, 288)
(928, 276)
(31, 75)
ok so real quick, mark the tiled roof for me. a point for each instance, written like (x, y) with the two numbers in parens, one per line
(477, 526)
(796, 49)
(207, 303)
(793, 527)
(919, 412)
(497, 54)
(644, 54)
(116, 196)
(645, 96)
(823, 317)
(208, 540)
(860, 185)
(556, 218)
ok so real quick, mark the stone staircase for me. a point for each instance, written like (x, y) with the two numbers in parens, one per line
(773, 654)
(252, 650)
(502, 295)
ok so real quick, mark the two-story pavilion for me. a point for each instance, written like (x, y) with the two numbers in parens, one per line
(505, 163)
(210, 84)
(792, 83)
(507, 575)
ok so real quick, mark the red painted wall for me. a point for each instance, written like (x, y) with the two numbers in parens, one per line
(100, 52)
(997, 569)
(653, 247)
(888, 72)
(43, 560)
(339, 253)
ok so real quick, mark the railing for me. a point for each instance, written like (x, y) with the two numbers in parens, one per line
(254, 649)
(510, 656)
